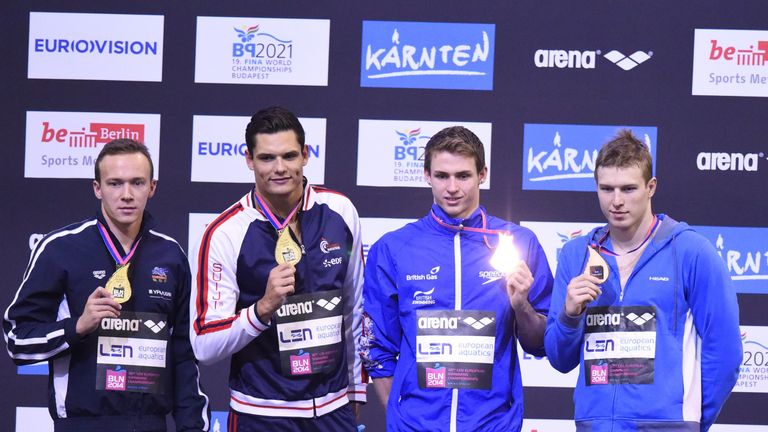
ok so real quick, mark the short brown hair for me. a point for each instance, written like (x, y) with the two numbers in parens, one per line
(123, 146)
(455, 140)
(623, 151)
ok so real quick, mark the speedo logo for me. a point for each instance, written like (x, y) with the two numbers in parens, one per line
(576, 59)
(120, 324)
(432, 275)
(490, 275)
(728, 161)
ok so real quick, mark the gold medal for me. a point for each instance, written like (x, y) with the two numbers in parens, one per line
(596, 265)
(118, 284)
(286, 250)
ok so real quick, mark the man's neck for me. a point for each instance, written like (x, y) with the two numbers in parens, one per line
(624, 240)
(282, 205)
(126, 235)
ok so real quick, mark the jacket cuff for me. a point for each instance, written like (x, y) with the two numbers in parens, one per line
(70, 331)
(357, 393)
(251, 322)
(572, 322)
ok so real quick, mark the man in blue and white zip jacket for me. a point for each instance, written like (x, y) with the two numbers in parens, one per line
(441, 324)
(279, 291)
(657, 343)
(105, 302)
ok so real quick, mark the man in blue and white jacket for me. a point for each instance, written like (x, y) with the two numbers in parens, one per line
(105, 302)
(657, 343)
(279, 286)
(441, 324)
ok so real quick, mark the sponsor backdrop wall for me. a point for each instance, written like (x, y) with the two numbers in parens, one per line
(542, 84)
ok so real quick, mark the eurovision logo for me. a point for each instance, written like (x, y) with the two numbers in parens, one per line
(427, 55)
(730, 63)
(262, 51)
(562, 156)
(95, 46)
(218, 149)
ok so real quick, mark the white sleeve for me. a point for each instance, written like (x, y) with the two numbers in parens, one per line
(218, 330)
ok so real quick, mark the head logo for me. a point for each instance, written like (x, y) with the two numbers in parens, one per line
(728, 161)
(427, 55)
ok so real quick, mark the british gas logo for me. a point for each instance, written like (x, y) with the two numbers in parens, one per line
(427, 55)
(563, 156)
(745, 254)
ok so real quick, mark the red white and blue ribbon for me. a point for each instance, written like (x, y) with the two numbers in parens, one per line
(113, 250)
(271, 217)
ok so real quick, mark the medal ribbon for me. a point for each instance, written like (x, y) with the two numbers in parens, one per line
(271, 217)
(113, 250)
(598, 246)
(482, 230)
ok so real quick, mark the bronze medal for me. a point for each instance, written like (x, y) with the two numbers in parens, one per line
(118, 284)
(286, 249)
(596, 265)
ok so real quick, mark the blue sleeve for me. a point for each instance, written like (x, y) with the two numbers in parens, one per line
(36, 327)
(564, 334)
(712, 300)
(382, 334)
(191, 411)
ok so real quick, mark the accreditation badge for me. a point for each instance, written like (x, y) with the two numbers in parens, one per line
(132, 353)
(455, 349)
(309, 333)
(620, 345)
(118, 284)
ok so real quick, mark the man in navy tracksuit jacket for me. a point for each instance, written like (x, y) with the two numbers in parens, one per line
(441, 323)
(657, 344)
(279, 291)
(121, 360)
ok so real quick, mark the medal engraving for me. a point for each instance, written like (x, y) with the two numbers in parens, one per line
(596, 266)
(286, 250)
(118, 284)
